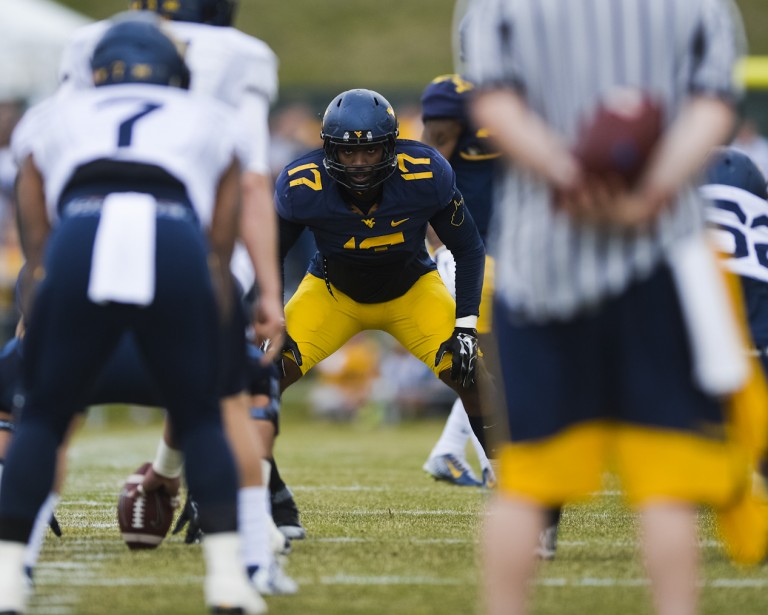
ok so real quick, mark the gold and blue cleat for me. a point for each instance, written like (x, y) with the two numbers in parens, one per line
(489, 478)
(451, 469)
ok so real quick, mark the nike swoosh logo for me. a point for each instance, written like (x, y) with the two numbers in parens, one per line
(399, 222)
(455, 472)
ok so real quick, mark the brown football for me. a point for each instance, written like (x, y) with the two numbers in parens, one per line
(144, 518)
(618, 138)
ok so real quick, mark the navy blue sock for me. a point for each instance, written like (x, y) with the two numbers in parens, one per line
(212, 476)
(27, 478)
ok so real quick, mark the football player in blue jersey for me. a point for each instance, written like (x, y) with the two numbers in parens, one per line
(738, 217)
(472, 156)
(368, 198)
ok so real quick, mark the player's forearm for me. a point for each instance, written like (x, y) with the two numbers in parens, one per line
(467, 247)
(469, 282)
(702, 124)
(222, 235)
(32, 219)
(259, 232)
(524, 137)
(34, 228)
(224, 223)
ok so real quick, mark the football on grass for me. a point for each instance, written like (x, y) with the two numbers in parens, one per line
(618, 138)
(144, 518)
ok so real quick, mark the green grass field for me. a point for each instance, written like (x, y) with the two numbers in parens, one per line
(383, 538)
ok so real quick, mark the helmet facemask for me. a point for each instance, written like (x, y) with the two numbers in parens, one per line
(375, 173)
(359, 118)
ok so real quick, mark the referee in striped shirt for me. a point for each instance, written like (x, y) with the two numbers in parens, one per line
(616, 340)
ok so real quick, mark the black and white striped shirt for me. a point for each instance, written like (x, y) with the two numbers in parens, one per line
(563, 56)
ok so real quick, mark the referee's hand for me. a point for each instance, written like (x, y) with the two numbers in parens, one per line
(609, 202)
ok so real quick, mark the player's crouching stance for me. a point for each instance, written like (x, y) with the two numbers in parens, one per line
(124, 232)
(367, 197)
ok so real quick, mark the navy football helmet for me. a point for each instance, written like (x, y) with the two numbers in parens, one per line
(731, 167)
(136, 51)
(211, 12)
(359, 118)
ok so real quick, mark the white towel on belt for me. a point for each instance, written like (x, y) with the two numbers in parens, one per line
(123, 260)
(719, 357)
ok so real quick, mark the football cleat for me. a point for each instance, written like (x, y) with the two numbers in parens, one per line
(272, 580)
(547, 543)
(285, 514)
(227, 594)
(279, 543)
(452, 470)
(489, 478)
(189, 518)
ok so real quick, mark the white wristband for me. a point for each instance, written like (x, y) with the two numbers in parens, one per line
(467, 322)
(168, 461)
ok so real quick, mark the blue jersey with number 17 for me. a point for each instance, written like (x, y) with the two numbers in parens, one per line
(377, 254)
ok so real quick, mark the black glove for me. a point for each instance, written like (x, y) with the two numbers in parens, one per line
(289, 345)
(190, 517)
(463, 346)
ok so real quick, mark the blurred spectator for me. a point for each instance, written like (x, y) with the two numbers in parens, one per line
(294, 130)
(345, 380)
(374, 371)
(10, 251)
(408, 388)
(749, 141)
(409, 117)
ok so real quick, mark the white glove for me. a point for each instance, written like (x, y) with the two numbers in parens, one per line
(446, 267)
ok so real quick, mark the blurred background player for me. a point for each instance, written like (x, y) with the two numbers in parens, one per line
(475, 159)
(241, 71)
(10, 251)
(367, 197)
(739, 221)
(115, 226)
(600, 284)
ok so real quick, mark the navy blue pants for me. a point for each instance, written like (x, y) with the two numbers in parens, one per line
(628, 360)
(70, 339)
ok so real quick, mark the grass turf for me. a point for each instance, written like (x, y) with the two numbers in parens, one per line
(383, 538)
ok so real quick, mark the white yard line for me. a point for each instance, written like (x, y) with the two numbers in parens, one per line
(591, 582)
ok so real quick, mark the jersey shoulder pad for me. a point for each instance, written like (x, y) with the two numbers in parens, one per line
(251, 46)
(419, 161)
(257, 62)
(446, 97)
(75, 63)
(412, 153)
(299, 184)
